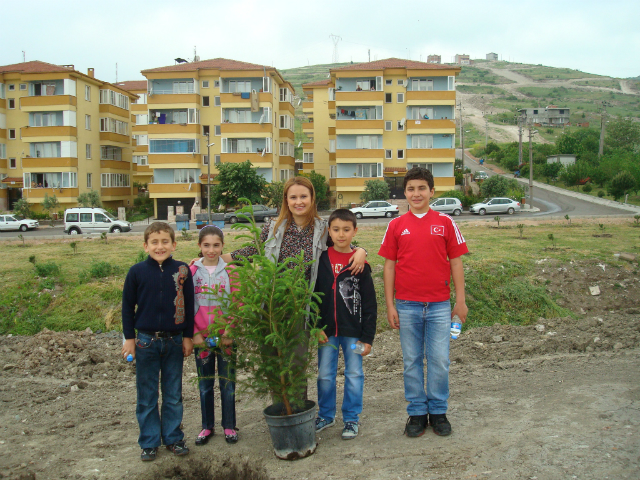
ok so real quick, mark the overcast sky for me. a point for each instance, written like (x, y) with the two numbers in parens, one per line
(592, 36)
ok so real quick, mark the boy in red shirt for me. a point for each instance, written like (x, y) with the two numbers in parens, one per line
(423, 250)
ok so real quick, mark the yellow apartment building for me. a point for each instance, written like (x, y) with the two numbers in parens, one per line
(245, 110)
(376, 120)
(63, 133)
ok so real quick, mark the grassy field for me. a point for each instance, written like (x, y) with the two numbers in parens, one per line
(607, 83)
(481, 90)
(540, 72)
(480, 75)
(84, 289)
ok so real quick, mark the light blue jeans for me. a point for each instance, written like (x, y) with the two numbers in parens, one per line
(425, 332)
(353, 380)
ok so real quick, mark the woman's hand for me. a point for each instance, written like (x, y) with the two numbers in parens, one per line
(198, 339)
(358, 259)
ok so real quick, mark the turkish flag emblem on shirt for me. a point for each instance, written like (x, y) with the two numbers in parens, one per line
(437, 230)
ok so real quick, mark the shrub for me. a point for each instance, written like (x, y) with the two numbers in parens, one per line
(601, 193)
(101, 270)
(587, 188)
(48, 269)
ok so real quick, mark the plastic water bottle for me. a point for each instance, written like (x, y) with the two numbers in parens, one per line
(211, 341)
(456, 327)
(129, 357)
(357, 348)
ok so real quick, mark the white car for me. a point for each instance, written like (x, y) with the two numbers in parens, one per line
(376, 208)
(451, 205)
(9, 222)
(495, 205)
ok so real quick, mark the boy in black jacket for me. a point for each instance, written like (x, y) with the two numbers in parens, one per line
(157, 301)
(348, 312)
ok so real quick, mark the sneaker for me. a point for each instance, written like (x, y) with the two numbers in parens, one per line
(416, 425)
(321, 424)
(149, 454)
(204, 436)
(179, 448)
(350, 430)
(230, 435)
(440, 424)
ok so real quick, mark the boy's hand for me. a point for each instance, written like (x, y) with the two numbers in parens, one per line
(226, 341)
(322, 337)
(198, 339)
(461, 310)
(367, 349)
(358, 259)
(129, 348)
(187, 346)
(392, 317)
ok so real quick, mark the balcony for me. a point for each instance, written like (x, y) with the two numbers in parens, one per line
(307, 146)
(354, 184)
(48, 162)
(446, 154)
(110, 193)
(193, 159)
(139, 107)
(356, 126)
(360, 155)
(36, 103)
(168, 190)
(307, 127)
(287, 107)
(114, 137)
(360, 98)
(115, 164)
(443, 97)
(235, 99)
(173, 98)
(112, 109)
(256, 159)
(143, 169)
(431, 126)
(3, 103)
(307, 105)
(173, 128)
(3, 133)
(61, 131)
(286, 133)
(243, 128)
(64, 195)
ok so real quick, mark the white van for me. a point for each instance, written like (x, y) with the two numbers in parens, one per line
(92, 220)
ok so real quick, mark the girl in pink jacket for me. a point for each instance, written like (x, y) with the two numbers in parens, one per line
(211, 281)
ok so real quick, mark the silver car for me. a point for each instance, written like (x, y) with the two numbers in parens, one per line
(452, 206)
(495, 205)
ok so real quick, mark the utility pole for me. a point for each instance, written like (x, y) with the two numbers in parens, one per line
(603, 121)
(520, 120)
(208, 180)
(531, 133)
(486, 130)
(464, 183)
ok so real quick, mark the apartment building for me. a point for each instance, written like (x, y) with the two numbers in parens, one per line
(463, 59)
(434, 59)
(376, 120)
(142, 174)
(62, 133)
(550, 116)
(245, 110)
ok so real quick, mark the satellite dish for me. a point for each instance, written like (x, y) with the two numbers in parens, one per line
(299, 143)
(263, 152)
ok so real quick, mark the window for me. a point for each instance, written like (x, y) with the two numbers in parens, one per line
(401, 125)
(185, 175)
(368, 170)
(216, 84)
(23, 86)
(12, 134)
(112, 180)
(88, 151)
(141, 139)
(333, 171)
(205, 159)
(400, 154)
(2, 92)
(388, 97)
(45, 150)
(141, 100)
(421, 85)
(108, 152)
(50, 119)
(421, 141)
(366, 141)
(237, 145)
(87, 93)
(388, 81)
(388, 125)
(186, 145)
(114, 98)
(238, 115)
(216, 130)
(332, 146)
(205, 101)
(400, 82)
(183, 86)
(216, 101)
(286, 121)
(205, 83)
(87, 122)
(89, 184)
(113, 126)
(428, 166)
(12, 103)
(3, 150)
(12, 163)
(287, 149)
(387, 155)
(12, 87)
(285, 95)
(420, 113)
(216, 159)
(332, 94)
(400, 97)
(307, 158)
(141, 160)
(284, 175)
(52, 180)
(451, 84)
(142, 119)
(85, 217)
(205, 130)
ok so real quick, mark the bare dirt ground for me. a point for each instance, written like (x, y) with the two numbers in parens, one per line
(556, 399)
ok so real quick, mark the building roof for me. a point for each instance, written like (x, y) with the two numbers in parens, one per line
(214, 63)
(35, 66)
(316, 84)
(394, 63)
(130, 85)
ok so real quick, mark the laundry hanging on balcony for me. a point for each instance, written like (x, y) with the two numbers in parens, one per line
(361, 114)
(255, 103)
(245, 95)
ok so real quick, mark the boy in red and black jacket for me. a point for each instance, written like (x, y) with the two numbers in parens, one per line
(348, 312)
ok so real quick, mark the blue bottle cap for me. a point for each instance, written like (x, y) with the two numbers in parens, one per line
(129, 358)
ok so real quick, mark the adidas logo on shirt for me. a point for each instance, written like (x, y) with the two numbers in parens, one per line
(405, 232)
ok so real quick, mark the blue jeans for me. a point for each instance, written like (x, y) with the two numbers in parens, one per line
(425, 331)
(206, 380)
(353, 380)
(159, 360)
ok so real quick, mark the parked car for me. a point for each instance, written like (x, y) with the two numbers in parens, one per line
(260, 214)
(11, 222)
(452, 206)
(495, 205)
(81, 220)
(376, 208)
(480, 176)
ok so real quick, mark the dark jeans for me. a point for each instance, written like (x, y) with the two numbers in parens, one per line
(206, 373)
(159, 360)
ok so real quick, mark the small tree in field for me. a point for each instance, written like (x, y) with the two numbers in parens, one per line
(237, 180)
(273, 194)
(621, 184)
(21, 207)
(375, 190)
(50, 204)
(90, 199)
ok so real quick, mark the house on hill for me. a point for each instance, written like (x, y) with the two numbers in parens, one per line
(563, 158)
(463, 59)
(551, 116)
(434, 59)
(493, 57)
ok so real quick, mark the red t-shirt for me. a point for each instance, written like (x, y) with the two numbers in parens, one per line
(422, 248)
(338, 260)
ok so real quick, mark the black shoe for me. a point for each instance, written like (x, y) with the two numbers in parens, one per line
(440, 424)
(416, 425)
(179, 448)
(202, 439)
(149, 454)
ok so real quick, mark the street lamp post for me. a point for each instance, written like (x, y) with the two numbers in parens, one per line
(532, 132)
(209, 179)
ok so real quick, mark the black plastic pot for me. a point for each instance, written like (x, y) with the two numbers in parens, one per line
(293, 436)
